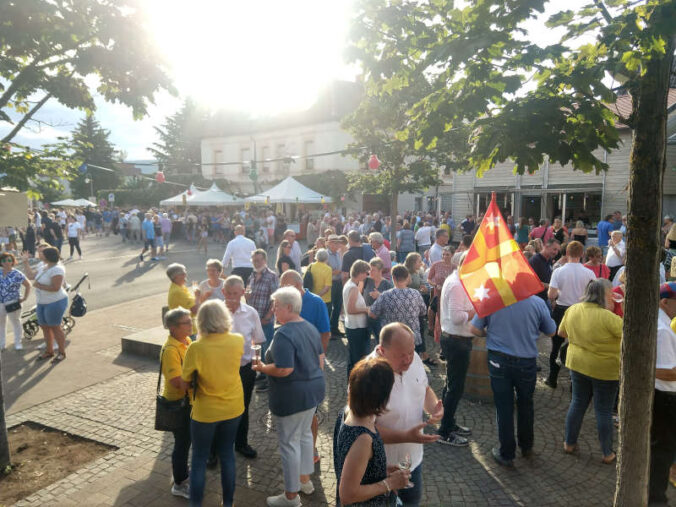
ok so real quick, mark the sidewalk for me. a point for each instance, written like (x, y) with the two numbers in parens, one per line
(101, 394)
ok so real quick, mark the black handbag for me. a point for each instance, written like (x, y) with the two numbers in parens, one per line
(170, 415)
(78, 307)
(12, 307)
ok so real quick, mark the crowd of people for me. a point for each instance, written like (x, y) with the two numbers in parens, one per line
(267, 326)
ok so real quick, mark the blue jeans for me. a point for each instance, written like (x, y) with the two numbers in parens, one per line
(51, 314)
(510, 375)
(269, 332)
(374, 326)
(604, 393)
(202, 435)
(358, 346)
(411, 496)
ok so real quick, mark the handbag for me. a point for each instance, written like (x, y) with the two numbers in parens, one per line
(170, 415)
(308, 279)
(12, 307)
(79, 307)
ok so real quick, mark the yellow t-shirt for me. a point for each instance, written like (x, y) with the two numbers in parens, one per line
(673, 324)
(595, 336)
(216, 358)
(180, 295)
(172, 357)
(322, 275)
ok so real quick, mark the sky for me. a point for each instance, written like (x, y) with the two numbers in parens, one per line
(261, 56)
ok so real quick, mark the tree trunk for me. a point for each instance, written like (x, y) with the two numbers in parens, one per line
(393, 219)
(648, 160)
(4, 442)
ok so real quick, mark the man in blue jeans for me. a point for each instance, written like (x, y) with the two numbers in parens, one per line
(511, 335)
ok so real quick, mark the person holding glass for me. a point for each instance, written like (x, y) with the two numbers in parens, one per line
(356, 314)
(594, 334)
(213, 363)
(293, 364)
(212, 287)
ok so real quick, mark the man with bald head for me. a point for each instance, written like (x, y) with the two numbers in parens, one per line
(240, 249)
(401, 424)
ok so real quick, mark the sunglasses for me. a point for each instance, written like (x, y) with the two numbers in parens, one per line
(6, 259)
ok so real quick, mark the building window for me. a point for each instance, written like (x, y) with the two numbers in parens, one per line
(265, 154)
(218, 170)
(282, 166)
(308, 149)
(245, 159)
(418, 203)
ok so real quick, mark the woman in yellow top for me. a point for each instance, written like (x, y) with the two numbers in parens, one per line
(219, 398)
(179, 324)
(322, 275)
(594, 333)
(179, 294)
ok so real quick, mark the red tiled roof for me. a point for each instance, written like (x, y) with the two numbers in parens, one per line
(622, 106)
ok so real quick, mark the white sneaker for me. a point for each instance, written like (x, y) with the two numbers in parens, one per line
(307, 487)
(282, 501)
(182, 489)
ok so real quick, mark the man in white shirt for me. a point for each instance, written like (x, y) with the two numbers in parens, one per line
(240, 249)
(437, 250)
(455, 314)
(616, 253)
(423, 237)
(401, 425)
(245, 321)
(566, 287)
(662, 434)
(295, 254)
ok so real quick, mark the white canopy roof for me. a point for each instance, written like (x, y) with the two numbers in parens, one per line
(65, 202)
(289, 191)
(84, 203)
(177, 200)
(213, 197)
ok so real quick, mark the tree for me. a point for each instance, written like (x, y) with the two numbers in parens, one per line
(179, 148)
(89, 144)
(375, 125)
(49, 49)
(523, 101)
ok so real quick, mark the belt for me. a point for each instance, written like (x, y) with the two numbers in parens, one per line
(456, 336)
(502, 354)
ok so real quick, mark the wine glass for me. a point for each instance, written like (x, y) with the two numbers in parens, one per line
(256, 349)
(405, 464)
(195, 286)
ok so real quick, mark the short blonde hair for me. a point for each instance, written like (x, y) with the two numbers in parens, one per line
(288, 296)
(213, 317)
(215, 263)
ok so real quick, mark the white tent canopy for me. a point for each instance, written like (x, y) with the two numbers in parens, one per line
(289, 191)
(65, 202)
(84, 203)
(177, 200)
(213, 197)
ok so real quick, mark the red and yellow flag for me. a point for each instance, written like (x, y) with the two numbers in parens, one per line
(495, 273)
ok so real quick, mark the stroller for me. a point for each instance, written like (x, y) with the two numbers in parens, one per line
(76, 308)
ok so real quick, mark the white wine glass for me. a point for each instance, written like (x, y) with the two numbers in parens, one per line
(405, 464)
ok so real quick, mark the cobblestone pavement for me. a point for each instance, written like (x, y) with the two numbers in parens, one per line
(120, 412)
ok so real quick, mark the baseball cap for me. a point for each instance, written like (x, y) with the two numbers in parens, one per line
(668, 290)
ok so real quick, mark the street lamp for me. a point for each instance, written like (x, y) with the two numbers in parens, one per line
(90, 180)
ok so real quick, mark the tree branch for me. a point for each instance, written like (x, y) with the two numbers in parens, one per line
(604, 10)
(16, 82)
(25, 119)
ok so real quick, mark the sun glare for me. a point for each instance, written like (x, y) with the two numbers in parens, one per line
(262, 56)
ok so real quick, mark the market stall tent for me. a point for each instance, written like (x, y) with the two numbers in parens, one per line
(177, 200)
(65, 202)
(214, 196)
(289, 191)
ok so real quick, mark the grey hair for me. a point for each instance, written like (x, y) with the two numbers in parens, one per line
(234, 280)
(377, 237)
(213, 317)
(458, 258)
(595, 292)
(175, 269)
(322, 255)
(288, 296)
(172, 317)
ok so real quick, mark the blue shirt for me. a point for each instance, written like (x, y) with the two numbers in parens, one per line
(10, 285)
(148, 228)
(514, 329)
(107, 216)
(603, 230)
(315, 312)
(296, 345)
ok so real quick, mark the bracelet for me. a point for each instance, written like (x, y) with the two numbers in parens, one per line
(384, 481)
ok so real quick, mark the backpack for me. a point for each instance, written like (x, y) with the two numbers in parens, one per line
(79, 306)
(308, 279)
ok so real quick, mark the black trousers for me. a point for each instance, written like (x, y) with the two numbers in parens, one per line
(245, 273)
(662, 445)
(336, 303)
(248, 377)
(457, 350)
(557, 349)
(179, 455)
(74, 245)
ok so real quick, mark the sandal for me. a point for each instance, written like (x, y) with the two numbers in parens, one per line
(59, 358)
(609, 460)
(45, 355)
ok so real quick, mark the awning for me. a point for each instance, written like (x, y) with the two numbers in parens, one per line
(289, 191)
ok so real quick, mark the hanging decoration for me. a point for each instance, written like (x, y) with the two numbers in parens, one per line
(342, 198)
(374, 163)
(159, 177)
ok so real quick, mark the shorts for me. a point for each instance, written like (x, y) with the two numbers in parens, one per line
(159, 241)
(149, 243)
(51, 314)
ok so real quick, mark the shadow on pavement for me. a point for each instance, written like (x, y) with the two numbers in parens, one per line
(137, 272)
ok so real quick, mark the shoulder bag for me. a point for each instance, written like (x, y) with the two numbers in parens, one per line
(170, 415)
